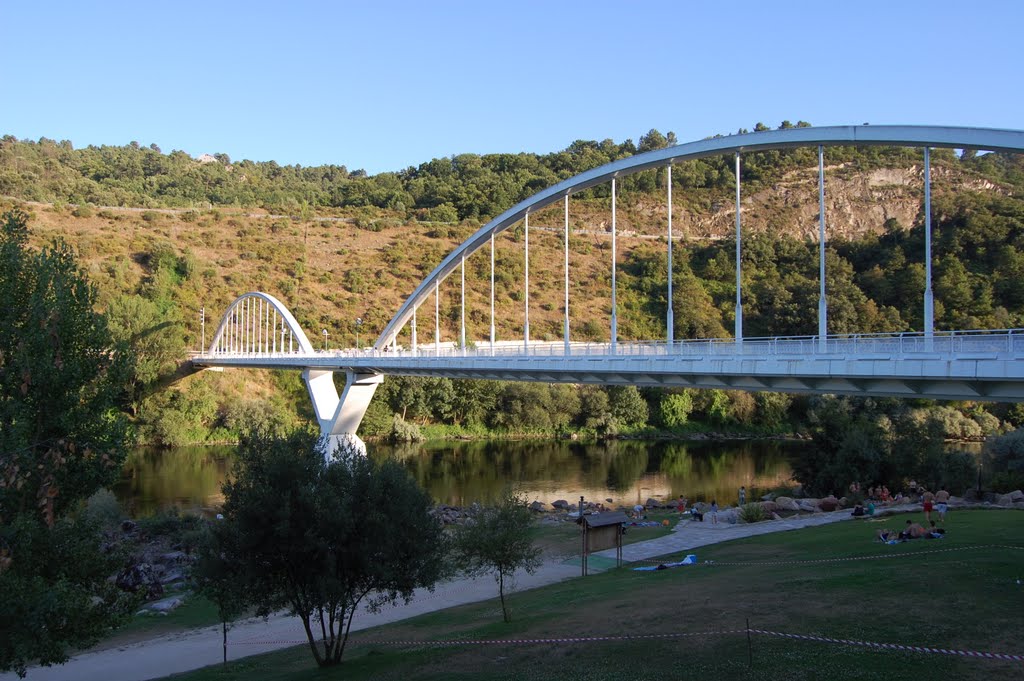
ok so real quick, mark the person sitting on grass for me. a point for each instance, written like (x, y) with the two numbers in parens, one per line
(858, 511)
(935, 532)
(913, 531)
(888, 536)
(695, 514)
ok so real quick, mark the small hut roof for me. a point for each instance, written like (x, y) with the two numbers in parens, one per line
(605, 519)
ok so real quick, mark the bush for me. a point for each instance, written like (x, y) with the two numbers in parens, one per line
(752, 513)
(675, 409)
(183, 529)
(103, 509)
(403, 431)
(1006, 452)
(1007, 481)
(83, 211)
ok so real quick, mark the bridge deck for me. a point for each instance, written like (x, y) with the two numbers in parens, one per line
(952, 365)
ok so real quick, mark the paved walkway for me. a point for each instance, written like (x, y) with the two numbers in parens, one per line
(201, 647)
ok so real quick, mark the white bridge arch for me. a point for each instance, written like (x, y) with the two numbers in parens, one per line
(988, 139)
(257, 323)
(978, 365)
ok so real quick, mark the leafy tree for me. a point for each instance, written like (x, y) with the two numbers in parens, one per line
(157, 346)
(675, 408)
(1006, 452)
(62, 437)
(627, 406)
(321, 539)
(498, 540)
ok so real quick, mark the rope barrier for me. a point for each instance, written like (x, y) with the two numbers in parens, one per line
(894, 646)
(522, 641)
(814, 638)
(909, 554)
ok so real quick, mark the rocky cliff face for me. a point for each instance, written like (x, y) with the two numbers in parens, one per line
(858, 204)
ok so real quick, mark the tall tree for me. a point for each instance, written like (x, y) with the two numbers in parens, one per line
(62, 437)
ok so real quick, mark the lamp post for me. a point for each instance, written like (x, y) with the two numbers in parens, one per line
(202, 324)
(359, 324)
(325, 340)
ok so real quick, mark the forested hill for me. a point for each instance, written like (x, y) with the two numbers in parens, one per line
(463, 187)
(165, 235)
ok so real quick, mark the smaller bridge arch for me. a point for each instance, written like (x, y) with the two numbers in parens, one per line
(259, 323)
(258, 327)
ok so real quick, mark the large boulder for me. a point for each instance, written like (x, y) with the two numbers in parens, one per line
(162, 607)
(786, 504)
(140, 578)
(538, 506)
(808, 505)
(769, 507)
(1004, 500)
(828, 504)
(1016, 495)
(729, 515)
(561, 504)
(653, 503)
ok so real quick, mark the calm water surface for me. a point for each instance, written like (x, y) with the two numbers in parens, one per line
(459, 473)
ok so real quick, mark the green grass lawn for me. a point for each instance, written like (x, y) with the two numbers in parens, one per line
(921, 593)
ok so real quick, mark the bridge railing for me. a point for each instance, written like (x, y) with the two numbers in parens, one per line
(967, 344)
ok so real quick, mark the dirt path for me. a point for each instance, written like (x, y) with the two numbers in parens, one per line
(183, 651)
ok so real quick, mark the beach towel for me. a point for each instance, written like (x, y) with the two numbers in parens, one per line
(689, 560)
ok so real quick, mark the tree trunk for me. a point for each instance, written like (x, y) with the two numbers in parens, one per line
(312, 643)
(501, 593)
(224, 630)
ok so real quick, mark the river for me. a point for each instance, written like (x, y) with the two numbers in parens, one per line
(459, 473)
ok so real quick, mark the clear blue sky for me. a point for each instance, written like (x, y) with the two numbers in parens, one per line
(383, 85)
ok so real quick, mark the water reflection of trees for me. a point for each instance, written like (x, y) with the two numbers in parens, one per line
(706, 471)
(460, 473)
(187, 477)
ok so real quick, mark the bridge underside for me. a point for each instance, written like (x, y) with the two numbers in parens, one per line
(989, 379)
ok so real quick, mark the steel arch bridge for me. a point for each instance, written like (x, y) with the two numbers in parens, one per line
(258, 331)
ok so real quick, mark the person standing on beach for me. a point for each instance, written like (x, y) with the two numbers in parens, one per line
(927, 499)
(714, 512)
(941, 504)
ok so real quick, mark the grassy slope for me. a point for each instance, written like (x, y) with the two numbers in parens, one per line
(967, 599)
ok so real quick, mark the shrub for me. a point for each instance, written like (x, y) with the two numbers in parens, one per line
(1006, 453)
(1007, 481)
(104, 509)
(675, 409)
(83, 211)
(752, 513)
(403, 431)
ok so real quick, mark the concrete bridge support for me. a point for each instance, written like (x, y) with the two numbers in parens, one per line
(339, 417)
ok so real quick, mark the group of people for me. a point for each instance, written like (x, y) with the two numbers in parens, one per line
(912, 530)
(695, 513)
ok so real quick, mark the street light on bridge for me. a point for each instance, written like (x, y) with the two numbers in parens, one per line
(325, 340)
(359, 324)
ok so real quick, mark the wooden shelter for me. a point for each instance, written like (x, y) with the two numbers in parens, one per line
(602, 531)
